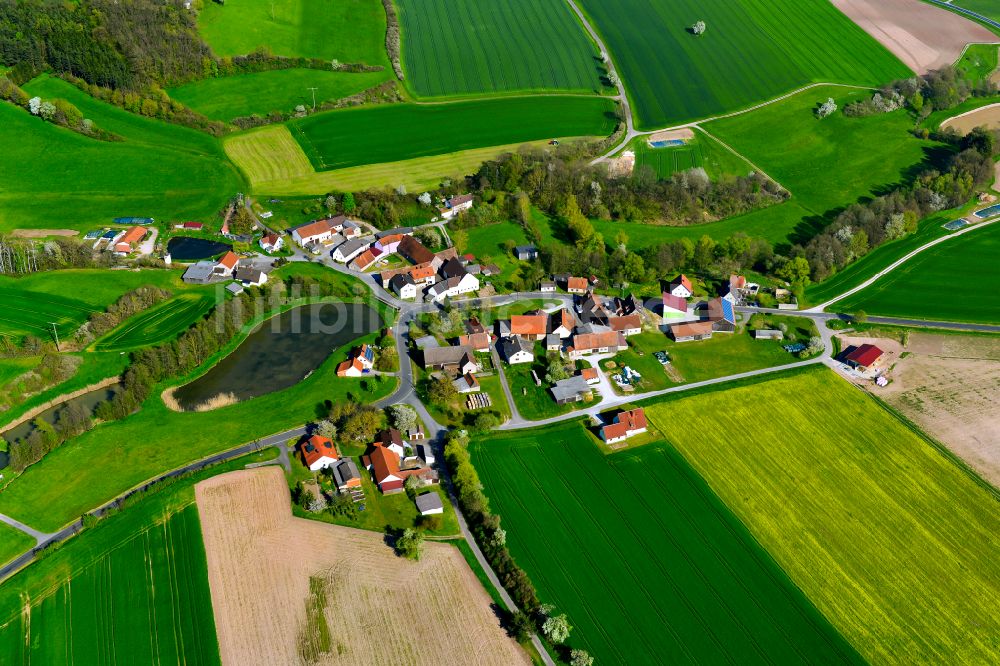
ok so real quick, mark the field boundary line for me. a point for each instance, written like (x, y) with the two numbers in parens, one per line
(743, 157)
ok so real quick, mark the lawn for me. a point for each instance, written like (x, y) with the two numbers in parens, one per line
(751, 51)
(55, 178)
(702, 151)
(275, 164)
(487, 243)
(11, 368)
(647, 563)
(830, 163)
(159, 323)
(339, 139)
(13, 542)
(894, 542)
(279, 90)
(346, 30)
(953, 281)
(68, 297)
(979, 61)
(113, 457)
(654, 378)
(723, 355)
(520, 45)
(536, 402)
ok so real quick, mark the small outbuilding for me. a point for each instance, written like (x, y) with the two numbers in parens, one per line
(429, 504)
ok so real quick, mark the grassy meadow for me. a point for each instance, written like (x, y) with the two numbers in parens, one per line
(340, 139)
(13, 542)
(346, 30)
(826, 164)
(462, 47)
(649, 566)
(750, 52)
(891, 540)
(280, 90)
(952, 281)
(702, 151)
(987, 8)
(55, 178)
(69, 297)
(159, 323)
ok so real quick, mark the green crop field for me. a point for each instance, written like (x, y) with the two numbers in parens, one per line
(702, 151)
(891, 540)
(979, 61)
(280, 90)
(988, 8)
(829, 163)
(953, 281)
(339, 139)
(751, 51)
(459, 47)
(57, 179)
(347, 30)
(68, 298)
(13, 542)
(647, 563)
(159, 323)
(143, 598)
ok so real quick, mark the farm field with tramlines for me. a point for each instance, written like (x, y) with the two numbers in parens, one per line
(891, 540)
(751, 51)
(518, 45)
(954, 281)
(133, 591)
(55, 178)
(159, 323)
(647, 563)
(339, 139)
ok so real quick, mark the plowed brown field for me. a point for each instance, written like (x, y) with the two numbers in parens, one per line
(380, 609)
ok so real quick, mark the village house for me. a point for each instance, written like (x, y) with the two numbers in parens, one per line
(227, 264)
(413, 251)
(346, 475)
(424, 450)
(865, 357)
(429, 504)
(547, 286)
(392, 440)
(318, 453)
(350, 249)
(720, 312)
(626, 306)
(452, 268)
(473, 326)
(458, 358)
(271, 242)
(574, 389)
(681, 286)
(590, 375)
(610, 342)
(127, 241)
(402, 285)
(526, 252)
(553, 343)
(691, 331)
(576, 285)
(467, 383)
(735, 291)
(478, 341)
(516, 349)
(249, 276)
(384, 465)
(389, 243)
(456, 205)
(190, 226)
(530, 326)
(593, 310)
(561, 323)
(451, 287)
(625, 425)
(317, 231)
(362, 360)
(674, 307)
(627, 325)
(366, 259)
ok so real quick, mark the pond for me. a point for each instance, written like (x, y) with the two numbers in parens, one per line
(279, 353)
(88, 401)
(185, 248)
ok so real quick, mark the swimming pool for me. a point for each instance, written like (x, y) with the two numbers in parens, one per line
(666, 144)
(988, 212)
(956, 224)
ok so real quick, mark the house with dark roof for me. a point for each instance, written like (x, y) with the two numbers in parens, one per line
(561, 323)
(547, 286)
(453, 286)
(346, 475)
(350, 249)
(681, 286)
(392, 440)
(526, 252)
(413, 251)
(573, 389)
(721, 313)
(429, 504)
(624, 425)
(458, 357)
(455, 205)
(402, 285)
(250, 276)
(452, 268)
(515, 349)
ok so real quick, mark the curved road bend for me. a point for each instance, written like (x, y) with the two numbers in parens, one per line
(896, 264)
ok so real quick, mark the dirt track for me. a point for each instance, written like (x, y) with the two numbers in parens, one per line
(965, 123)
(42, 233)
(949, 385)
(381, 609)
(923, 36)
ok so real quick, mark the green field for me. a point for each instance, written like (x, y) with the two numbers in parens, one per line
(143, 598)
(159, 323)
(953, 281)
(702, 151)
(339, 139)
(750, 52)
(830, 163)
(348, 30)
(459, 47)
(979, 61)
(987, 8)
(57, 179)
(280, 90)
(647, 563)
(13, 542)
(68, 298)
(889, 538)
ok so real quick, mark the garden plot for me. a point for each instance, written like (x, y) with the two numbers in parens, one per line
(287, 589)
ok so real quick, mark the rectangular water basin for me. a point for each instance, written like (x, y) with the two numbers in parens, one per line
(988, 212)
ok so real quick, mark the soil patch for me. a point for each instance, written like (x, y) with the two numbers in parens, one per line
(42, 233)
(966, 122)
(923, 36)
(683, 134)
(282, 584)
(950, 387)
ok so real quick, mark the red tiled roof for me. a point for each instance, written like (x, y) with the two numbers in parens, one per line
(269, 239)
(422, 272)
(317, 447)
(674, 302)
(625, 323)
(132, 235)
(316, 228)
(347, 365)
(865, 355)
(691, 328)
(634, 419)
(413, 250)
(614, 430)
(475, 340)
(193, 225)
(529, 324)
(737, 282)
(576, 283)
(365, 259)
(597, 340)
(563, 319)
(589, 373)
(229, 260)
(684, 281)
(384, 463)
